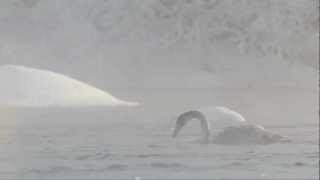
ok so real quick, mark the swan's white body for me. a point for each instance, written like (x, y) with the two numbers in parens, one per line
(222, 117)
(243, 133)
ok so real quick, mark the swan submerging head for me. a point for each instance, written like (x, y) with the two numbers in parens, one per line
(184, 118)
(243, 134)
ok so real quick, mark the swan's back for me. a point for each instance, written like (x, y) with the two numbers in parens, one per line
(222, 117)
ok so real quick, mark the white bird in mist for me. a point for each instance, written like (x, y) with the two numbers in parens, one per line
(243, 133)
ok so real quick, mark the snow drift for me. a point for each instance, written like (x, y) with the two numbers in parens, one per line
(28, 87)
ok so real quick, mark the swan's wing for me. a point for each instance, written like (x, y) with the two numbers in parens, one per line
(248, 134)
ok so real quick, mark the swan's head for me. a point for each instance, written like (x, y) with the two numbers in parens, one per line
(179, 125)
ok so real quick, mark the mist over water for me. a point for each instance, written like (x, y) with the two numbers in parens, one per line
(259, 58)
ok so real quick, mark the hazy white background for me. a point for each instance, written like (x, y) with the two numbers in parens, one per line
(258, 57)
(150, 51)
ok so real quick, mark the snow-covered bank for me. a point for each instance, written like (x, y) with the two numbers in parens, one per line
(27, 87)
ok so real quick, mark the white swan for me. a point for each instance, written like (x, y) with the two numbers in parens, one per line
(243, 134)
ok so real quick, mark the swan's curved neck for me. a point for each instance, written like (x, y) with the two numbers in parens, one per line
(205, 127)
(205, 130)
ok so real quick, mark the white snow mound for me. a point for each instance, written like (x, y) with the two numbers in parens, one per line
(29, 87)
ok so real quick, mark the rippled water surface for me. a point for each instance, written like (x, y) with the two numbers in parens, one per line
(100, 152)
